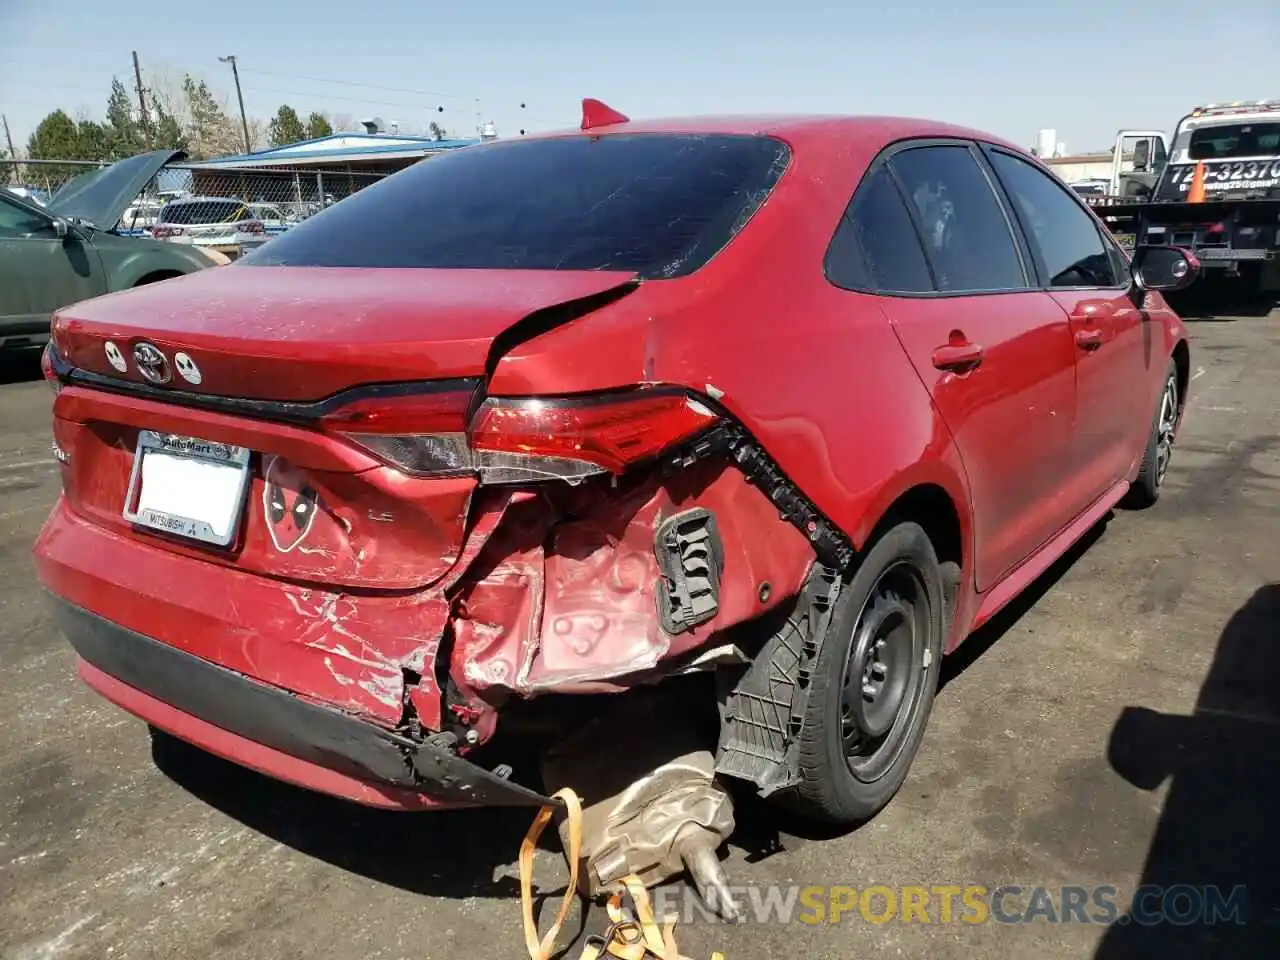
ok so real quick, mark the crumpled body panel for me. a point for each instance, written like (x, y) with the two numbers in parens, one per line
(563, 595)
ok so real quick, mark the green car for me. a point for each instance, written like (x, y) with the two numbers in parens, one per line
(67, 251)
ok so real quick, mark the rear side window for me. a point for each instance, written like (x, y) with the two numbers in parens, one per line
(964, 229)
(658, 204)
(205, 211)
(876, 245)
(1067, 237)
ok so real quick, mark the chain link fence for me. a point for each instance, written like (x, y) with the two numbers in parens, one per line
(278, 196)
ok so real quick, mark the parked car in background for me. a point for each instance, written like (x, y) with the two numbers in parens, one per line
(218, 223)
(800, 401)
(69, 250)
(273, 217)
(140, 217)
(1089, 188)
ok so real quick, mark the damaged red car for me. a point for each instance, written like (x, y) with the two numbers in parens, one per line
(790, 403)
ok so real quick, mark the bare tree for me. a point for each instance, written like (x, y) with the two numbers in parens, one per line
(202, 111)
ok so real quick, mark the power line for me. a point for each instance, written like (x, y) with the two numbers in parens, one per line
(357, 83)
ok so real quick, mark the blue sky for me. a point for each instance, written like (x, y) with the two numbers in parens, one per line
(1002, 66)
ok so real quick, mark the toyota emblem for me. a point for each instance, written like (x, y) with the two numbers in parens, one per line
(152, 363)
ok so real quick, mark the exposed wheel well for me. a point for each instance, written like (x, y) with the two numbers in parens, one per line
(933, 509)
(157, 275)
(1182, 363)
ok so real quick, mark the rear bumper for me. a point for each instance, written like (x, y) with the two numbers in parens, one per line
(272, 731)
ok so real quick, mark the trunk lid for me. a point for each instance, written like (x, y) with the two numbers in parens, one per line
(309, 505)
(306, 333)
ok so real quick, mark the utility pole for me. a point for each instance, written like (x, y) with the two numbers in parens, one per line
(144, 121)
(13, 167)
(244, 123)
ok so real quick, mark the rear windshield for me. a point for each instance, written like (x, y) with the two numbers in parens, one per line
(205, 211)
(660, 205)
(1235, 140)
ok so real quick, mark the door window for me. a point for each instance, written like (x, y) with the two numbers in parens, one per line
(17, 222)
(1070, 244)
(876, 246)
(965, 231)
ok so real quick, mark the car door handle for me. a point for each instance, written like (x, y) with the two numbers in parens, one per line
(1088, 339)
(958, 357)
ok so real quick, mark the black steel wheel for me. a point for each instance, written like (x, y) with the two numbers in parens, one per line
(874, 680)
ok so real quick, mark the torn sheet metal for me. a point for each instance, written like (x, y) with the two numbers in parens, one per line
(564, 595)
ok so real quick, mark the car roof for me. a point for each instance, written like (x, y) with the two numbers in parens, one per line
(809, 129)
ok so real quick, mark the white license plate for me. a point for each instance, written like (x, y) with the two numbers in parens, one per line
(187, 487)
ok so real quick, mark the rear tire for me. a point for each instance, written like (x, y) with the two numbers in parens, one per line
(1145, 490)
(874, 681)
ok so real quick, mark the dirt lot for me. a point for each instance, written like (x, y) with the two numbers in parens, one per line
(1119, 727)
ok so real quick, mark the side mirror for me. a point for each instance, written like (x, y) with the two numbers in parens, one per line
(1141, 156)
(1164, 268)
(60, 228)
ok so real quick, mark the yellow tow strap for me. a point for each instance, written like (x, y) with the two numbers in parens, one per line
(628, 937)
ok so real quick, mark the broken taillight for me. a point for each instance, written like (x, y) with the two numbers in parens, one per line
(517, 440)
(422, 432)
(606, 433)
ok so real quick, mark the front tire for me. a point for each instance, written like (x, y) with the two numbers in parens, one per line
(1155, 459)
(874, 681)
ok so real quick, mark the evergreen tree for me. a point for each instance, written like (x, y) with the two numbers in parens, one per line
(318, 125)
(285, 127)
(125, 135)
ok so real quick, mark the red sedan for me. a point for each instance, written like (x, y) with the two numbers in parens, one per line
(803, 401)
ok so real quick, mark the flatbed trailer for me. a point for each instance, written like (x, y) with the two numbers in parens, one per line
(1218, 194)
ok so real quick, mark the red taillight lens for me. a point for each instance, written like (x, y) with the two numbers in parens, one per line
(427, 410)
(611, 433)
(429, 432)
(160, 231)
(253, 226)
(422, 433)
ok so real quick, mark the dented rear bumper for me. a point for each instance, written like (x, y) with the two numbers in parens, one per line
(582, 590)
(149, 676)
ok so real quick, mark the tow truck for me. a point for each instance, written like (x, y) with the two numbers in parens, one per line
(1214, 190)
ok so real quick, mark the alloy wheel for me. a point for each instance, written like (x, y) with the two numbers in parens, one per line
(1165, 428)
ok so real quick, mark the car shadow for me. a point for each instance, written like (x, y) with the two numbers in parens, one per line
(455, 854)
(1219, 302)
(1218, 825)
(19, 365)
(986, 636)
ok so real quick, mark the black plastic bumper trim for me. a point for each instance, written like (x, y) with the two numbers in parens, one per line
(276, 718)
